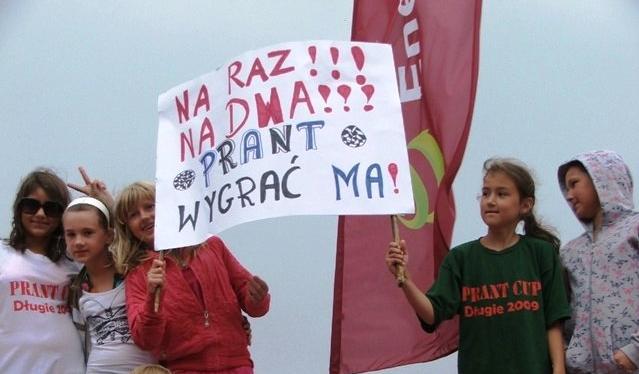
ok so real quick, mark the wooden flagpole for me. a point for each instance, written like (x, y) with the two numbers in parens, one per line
(401, 272)
(156, 303)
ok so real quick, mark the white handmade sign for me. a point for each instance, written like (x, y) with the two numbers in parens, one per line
(292, 129)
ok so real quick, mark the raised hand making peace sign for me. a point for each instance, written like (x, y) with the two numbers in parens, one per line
(94, 188)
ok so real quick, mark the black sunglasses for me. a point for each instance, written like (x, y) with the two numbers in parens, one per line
(30, 206)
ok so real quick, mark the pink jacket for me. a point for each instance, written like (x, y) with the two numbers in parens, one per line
(186, 335)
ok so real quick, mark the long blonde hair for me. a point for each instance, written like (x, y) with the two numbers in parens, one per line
(128, 250)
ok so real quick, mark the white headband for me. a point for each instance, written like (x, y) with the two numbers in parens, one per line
(93, 202)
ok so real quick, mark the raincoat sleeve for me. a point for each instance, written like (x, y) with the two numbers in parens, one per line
(632, 350)
(240, 278)
(147, 326)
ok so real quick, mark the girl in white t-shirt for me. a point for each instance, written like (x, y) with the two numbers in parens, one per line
(36, 332)
(97, 293)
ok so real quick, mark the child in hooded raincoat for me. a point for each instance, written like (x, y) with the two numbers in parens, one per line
(602, 265)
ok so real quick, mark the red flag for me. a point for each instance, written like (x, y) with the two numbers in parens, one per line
(436, 49)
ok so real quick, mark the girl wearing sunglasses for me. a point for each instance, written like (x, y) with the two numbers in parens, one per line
(36, 332)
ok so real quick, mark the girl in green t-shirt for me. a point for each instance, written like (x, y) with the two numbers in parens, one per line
(506, 288)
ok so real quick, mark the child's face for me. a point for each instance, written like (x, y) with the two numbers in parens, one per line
(39, 216)
(581, 194)
(500, 204)
(87, 240)
(141, 221)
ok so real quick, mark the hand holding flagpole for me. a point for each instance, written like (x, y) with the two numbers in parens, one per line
(401, 272)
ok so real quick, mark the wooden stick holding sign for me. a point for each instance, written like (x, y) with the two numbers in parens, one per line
(401, 272)
(156, 302)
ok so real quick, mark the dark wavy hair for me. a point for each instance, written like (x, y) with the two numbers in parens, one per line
(57, 191)
(522, 177)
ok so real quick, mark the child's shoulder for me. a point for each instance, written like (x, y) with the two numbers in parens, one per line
(144, 265)
(534, 241)
(69, 265)
(574, 244)
(5, 249)
(5, 252)
(213, 245)
(215, 241)
(631, 220)
(538, 244)
(465, 246)
(463, 250)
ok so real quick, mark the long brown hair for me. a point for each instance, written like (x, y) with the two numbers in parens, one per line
(57, 191)
(128, 250)
(523, 179)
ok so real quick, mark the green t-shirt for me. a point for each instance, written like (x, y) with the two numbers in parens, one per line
(506, 300)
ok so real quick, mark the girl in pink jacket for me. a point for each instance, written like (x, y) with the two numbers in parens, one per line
(198, 327)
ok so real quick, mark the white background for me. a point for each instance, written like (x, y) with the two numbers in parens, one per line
(80, 79)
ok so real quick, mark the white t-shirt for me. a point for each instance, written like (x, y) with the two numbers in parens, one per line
(112, 348)
(37, 334)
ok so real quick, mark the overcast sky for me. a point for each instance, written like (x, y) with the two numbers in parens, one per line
(80, 79)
